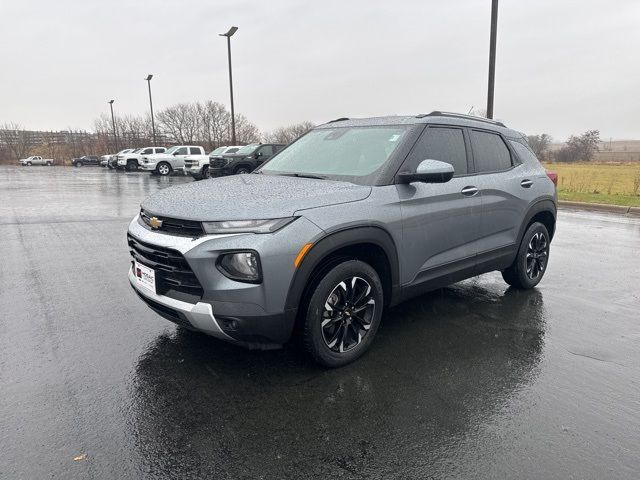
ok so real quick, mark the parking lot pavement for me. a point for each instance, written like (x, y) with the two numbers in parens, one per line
(471, 381)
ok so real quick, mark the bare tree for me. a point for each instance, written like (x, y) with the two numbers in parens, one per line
(214, 123)
(246, 132)
(16, 139)
(288, 134)
(579, 147)
(539, 144)
(181, 122)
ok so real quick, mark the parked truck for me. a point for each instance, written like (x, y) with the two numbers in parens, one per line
(35, 160)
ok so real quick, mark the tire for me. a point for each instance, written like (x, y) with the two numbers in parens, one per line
(205, 172)
(132, 166)
(28, 164)
(163, 169)
(78, 164)
(241, 169)
(48, 164)
(332, 332)
(532, 259)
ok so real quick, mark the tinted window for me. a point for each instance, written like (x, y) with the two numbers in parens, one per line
(181, 151)
(147, 151)
(231, 150)
(195, 151)
(523, 152)
(489, 152)
(444, 144)
(266, 151)
(161, 150)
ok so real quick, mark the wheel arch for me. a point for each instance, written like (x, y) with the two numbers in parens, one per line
(543, 211)
(367, 243)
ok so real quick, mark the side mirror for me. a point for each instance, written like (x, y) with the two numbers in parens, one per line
(175, 153)
(429, 171)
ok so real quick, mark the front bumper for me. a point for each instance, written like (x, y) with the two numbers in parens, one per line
(148, 166)
(246, 313)
(199, 315)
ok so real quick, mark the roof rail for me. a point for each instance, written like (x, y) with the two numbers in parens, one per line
(341, 119)
(437, 113)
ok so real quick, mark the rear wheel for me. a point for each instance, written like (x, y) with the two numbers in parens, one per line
(343, 314)
(163, 168)
(532, 259)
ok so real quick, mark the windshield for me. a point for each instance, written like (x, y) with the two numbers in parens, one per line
(137, 151)
(171, 150)
(338, 152)
(218, 151)
(248, 149)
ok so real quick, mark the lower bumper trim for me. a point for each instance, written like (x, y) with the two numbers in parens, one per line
(199, 315)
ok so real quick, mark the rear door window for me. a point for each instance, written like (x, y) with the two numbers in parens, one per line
(490, 153)
(195, 151)
(440, 143)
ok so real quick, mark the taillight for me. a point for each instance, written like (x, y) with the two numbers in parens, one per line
(553, 176)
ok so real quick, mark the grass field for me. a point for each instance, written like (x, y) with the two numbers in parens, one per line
(612, 183)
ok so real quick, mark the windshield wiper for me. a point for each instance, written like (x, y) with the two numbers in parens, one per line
(302, 175)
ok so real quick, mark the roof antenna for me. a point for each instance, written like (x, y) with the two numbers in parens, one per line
(470, 110)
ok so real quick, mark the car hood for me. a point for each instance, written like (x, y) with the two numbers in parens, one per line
(248, 197)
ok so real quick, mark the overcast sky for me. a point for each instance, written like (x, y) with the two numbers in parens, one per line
(562, 66)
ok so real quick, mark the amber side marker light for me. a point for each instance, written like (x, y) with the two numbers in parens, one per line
(303, 251)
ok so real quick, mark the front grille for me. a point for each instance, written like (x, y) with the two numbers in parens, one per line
(174, 277)
(174, 226)
(188, 163)
(218, 162)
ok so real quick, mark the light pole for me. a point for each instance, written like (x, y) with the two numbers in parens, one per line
(229, 34)
(113, 122)
(153, 125)
(492, 57)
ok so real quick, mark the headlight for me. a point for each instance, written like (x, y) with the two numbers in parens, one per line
(242, 266)
(247, 226)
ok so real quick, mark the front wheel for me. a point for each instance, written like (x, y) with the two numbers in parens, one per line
(78, 164)
(242, 169)
(205, 172)
(343, 314)
(28, 164)
(48, 164)
(164, 169)
(131, 166)
(532, 259)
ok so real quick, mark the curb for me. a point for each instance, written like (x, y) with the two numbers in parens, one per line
(600, 207)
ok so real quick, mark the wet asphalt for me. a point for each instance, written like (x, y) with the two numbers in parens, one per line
(471, 381)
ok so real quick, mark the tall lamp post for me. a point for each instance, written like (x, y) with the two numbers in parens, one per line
(229, 34)
(492, 57)
(153, 125)
(113, 123)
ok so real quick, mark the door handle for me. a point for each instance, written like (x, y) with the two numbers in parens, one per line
(526, 183)
(469, 191)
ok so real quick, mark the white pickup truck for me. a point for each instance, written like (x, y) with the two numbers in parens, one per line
(198, 165)
(170, 161)
(131, 161)
(36, 160)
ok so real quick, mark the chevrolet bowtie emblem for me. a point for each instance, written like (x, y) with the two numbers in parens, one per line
(155, 223)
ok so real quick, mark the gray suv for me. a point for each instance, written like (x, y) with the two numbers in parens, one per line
(355, 216)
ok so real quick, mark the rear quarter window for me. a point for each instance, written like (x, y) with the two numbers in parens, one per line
(490, 153)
